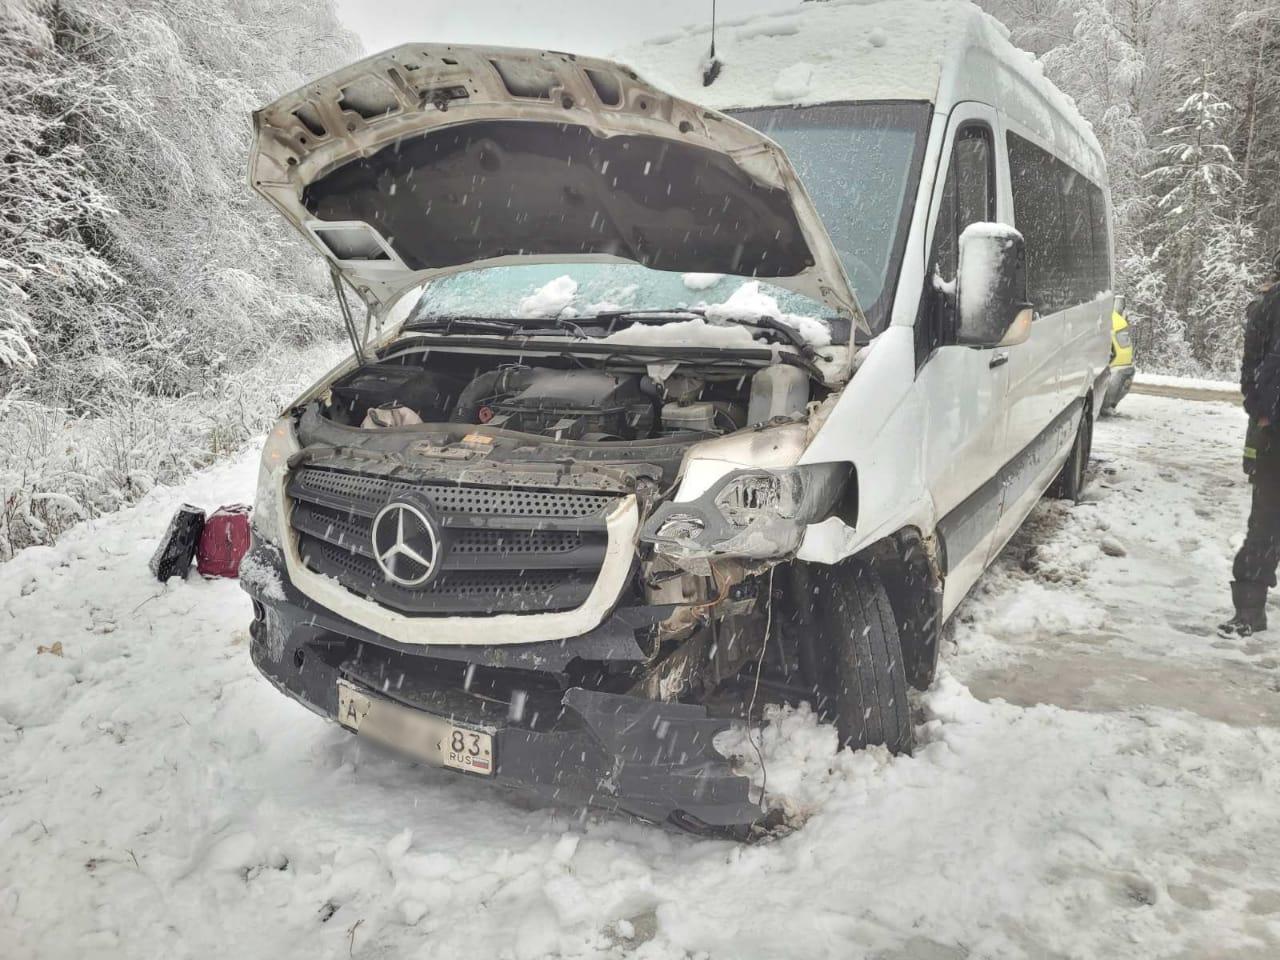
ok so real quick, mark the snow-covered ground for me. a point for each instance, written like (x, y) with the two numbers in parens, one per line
(1097, 775)
(1189, 383)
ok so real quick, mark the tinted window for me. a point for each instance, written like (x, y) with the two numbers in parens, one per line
(1101, 262)
(968, 196)
(1062, 216)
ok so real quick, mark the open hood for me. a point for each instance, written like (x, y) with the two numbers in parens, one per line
(427, 160)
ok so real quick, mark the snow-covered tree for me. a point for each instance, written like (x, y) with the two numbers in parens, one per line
(133, 256)
(49, 202)
(145, 294)
(1194, 182)
(1228, 272)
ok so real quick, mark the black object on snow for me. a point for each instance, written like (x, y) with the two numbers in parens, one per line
(178, 545)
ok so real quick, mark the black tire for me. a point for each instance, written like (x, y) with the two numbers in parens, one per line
(862, 682)
(1074, 477)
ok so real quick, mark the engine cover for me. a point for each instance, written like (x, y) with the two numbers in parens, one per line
(577, 405)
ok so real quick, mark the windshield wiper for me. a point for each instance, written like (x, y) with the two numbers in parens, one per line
(472, 324)
(533, 327)
(551, 326)
(784, 330)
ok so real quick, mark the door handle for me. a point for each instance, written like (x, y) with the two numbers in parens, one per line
(998, 359)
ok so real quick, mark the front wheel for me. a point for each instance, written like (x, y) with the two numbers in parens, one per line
(861, 679)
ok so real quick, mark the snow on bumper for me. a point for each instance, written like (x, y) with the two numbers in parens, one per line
(609, 751)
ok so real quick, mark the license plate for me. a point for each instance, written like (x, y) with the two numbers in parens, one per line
(422, 735)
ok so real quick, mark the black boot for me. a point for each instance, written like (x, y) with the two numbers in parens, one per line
(1250, 601)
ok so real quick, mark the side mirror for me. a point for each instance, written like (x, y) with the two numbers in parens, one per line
(991, 287)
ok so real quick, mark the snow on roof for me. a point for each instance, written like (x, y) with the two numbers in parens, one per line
(814, 53)
(940, 51)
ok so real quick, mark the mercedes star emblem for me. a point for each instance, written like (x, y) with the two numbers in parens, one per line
(405, 544)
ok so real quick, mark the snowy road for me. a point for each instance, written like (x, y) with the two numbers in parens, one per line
(1098, 776)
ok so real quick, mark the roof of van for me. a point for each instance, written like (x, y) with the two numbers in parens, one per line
(941, 51)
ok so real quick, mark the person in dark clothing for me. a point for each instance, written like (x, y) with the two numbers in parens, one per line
(1254, 570)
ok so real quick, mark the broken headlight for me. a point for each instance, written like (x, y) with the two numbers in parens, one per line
(753, 514)
(681, 526)
(748, 497)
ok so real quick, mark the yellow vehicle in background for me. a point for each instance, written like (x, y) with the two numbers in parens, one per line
(1121, 373)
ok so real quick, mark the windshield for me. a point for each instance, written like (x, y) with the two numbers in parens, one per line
(583, 289)
(861, 166)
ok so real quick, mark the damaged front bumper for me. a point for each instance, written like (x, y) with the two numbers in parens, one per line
(615, 752)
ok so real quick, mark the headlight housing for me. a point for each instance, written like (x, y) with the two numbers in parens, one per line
(750, 514)
(750, 496)
(280, 445)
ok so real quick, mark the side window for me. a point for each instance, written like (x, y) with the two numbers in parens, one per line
(968, 196)
(1038, 215)
(1079, 237)
(1062, 217)
(1101, 239)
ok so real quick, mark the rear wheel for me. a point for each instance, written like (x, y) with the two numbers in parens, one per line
(860, 677)
(1075, 472)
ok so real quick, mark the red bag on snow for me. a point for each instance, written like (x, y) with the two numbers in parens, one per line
(224, 542)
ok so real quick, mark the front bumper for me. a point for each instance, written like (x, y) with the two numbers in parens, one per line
(1118, 384)
(573, 746)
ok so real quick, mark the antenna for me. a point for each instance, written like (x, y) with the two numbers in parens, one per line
(712, 69)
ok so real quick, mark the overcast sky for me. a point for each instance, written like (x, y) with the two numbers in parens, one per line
(597, 27)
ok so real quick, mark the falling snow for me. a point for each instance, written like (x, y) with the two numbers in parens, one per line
(1096, 776)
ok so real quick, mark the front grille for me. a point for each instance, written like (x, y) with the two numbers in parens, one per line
(504, 550)
(517, 542)
(367, 494)
(516, 590)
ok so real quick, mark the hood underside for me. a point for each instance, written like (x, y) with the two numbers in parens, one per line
(428, 160)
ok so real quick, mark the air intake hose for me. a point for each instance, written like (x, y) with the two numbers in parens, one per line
(495, 383)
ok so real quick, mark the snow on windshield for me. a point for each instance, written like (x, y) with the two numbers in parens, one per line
(549, 300)
(531, 292)
(700, 281)
(695, 332)
(720, 329)
(749, 302)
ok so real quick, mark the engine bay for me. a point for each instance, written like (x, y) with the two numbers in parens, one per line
(566, 398)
